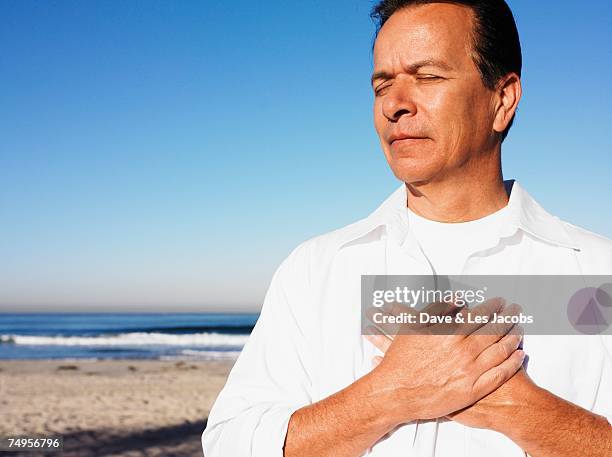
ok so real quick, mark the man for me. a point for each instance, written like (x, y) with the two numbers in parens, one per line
(447, 85)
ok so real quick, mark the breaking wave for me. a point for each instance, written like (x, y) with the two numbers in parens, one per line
(210, 340)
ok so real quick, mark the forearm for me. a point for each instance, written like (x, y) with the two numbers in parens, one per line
(545, 425)
(344, 424)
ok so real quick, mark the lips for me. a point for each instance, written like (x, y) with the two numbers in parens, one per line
(406, 140)
(401, 136)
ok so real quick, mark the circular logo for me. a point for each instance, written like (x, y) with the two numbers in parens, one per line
(590, 309)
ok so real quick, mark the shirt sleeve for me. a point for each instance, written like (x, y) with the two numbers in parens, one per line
(603, 400)
(271, 378)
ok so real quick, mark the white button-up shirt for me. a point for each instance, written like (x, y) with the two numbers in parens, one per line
(308, 343)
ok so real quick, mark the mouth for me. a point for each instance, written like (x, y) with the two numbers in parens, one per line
(406, 140)
(405, 136)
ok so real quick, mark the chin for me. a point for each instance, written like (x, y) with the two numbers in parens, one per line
(412, 172)
(413, 164)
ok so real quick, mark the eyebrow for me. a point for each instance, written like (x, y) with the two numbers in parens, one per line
(413, 68)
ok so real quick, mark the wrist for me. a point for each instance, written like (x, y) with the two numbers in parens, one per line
(514, 417)
(387, 407)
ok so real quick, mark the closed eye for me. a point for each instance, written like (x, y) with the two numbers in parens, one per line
(378, 91)
(429, 77)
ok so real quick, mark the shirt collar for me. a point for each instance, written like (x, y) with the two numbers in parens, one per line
(524, 213)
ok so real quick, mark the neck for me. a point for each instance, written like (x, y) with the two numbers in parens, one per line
(464, 197)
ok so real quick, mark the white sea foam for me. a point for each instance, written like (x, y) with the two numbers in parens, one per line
(203, 354)
(209, 340)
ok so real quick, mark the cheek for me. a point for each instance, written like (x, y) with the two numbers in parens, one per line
(379, 118)
(381, 126)
(447, 108)
(455, 115)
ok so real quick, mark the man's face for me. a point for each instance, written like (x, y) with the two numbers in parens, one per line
(432, 112)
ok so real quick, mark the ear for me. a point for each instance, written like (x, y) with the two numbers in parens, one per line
(509, 92)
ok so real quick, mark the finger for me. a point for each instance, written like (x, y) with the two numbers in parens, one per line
(439, 309)
(480, 315)
(378, 339)
(451, 310)
(500, 326)
(492, 332)
(497, 353)
(496, 376)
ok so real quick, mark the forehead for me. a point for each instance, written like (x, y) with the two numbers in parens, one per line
(440, 31)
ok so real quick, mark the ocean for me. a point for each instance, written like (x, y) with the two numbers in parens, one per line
(125, 336)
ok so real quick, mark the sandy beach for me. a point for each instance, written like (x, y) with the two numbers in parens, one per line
(111, 407)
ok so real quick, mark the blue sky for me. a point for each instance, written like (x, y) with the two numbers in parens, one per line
(169, 154)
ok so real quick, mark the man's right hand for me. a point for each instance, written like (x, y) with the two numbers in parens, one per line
(427, 375)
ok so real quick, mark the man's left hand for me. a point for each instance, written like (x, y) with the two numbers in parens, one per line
(499, 403)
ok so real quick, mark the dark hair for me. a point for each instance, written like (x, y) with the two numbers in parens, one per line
(497, 47)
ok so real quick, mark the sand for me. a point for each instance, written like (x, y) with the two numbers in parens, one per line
(111, 408)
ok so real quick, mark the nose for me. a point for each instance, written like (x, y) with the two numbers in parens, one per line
(399, 101)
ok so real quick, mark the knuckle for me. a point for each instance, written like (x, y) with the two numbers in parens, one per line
(497, 377)
(503, 350)
(473, 393)
(470, 349)
(464, 371)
